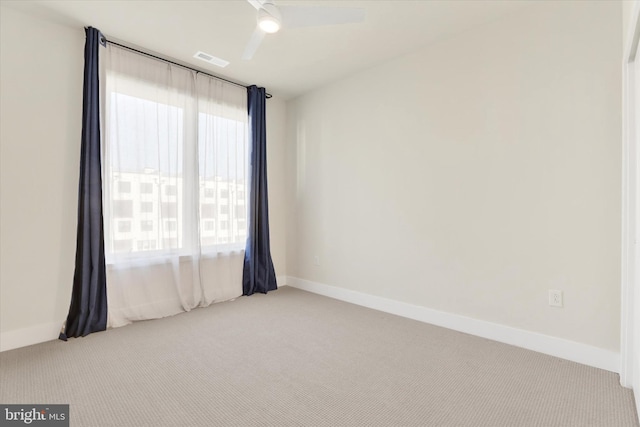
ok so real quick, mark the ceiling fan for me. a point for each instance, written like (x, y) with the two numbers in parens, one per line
(271, 18)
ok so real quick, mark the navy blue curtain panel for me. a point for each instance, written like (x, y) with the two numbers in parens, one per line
(258, 274)
(88, 309)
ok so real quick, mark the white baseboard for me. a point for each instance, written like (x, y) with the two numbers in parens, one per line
(282, 281)
(558, 347)
(636, 388)
(29, 336)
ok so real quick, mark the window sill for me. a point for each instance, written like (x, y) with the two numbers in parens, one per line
(163, 259)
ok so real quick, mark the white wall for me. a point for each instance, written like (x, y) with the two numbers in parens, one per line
(630, 372)
(41, 104)
(627, 23)
(276, 167)
(473, 176)
(40, 125)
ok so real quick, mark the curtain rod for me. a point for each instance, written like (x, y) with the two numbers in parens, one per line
(267, 95)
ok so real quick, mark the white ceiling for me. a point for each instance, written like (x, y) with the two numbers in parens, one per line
(288, 63)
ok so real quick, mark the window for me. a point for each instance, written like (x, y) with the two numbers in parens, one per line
(208, 210)
(146, 188)
(145, 245)
(146, 207)
(124, 187)
(122, 245)
(209, 241)
(122, 208)
(177, 147)
(169, 210)
(170, 243)
(124, 226)
(146, 225)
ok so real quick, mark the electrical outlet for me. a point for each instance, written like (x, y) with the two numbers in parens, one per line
(555, 298)
(316, 260)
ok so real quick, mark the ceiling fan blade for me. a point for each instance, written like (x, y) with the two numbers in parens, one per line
(310, 16)
(254, 43)
(255, 3)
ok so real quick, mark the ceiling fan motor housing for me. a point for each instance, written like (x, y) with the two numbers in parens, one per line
(269, 17)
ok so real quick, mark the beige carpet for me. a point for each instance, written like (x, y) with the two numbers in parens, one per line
(295, 358)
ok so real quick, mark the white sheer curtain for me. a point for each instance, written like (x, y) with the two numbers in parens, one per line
(175, 155)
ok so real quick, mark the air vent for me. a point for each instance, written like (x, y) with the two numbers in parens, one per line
(211, 59)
